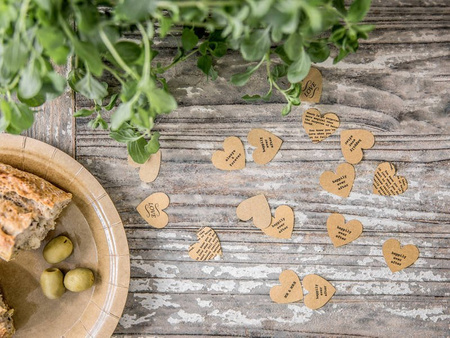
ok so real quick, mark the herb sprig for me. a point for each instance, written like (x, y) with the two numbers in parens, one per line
(284, 36)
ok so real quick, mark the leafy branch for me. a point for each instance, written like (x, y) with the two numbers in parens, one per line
(36, 35)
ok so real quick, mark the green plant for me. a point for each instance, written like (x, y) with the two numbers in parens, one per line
(284, 35)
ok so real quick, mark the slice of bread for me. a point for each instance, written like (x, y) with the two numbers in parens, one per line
(29, 206)
(6, 322)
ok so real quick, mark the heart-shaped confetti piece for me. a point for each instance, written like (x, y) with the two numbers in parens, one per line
(282, 224)
(319, 127)
(342, 233)
(398, 257)
(207, 247)
(319, 290)
(353, 142)
(386, 183)
(340, 183)
(266, 143)
(151, 209)
(255, 207)
(148, 172)
(312, 86)
(290, 289)
(232, 157)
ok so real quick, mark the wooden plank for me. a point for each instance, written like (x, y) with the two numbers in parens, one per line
(54, 122)
(397, 87)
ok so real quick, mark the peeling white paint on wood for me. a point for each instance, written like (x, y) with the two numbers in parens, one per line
(397, 87)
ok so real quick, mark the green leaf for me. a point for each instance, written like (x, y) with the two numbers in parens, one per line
(298, 70)
(30, 82)
(161, 102)
(358, 10)
(204, 63)
(137, 150)
(122, 114)
(15, 55)
(83, 113)
(125, 135)
(203, 47)
(129, 52)
(89, 87)
(286, 109)
(252, 98)
(35, 101)
(219, 49)
(279, 71)
(241, 79)
(53, 42)
(134, 10)
(293, 46)
(112, 102)
(44, 4)
(342, 54)
(164, 26)
(340, 6)
(256, 45)
(20, 116)
(87, 16)
(90, 55)
(318, 51)
(188, 39)
(153, 144)
(53, 86)
(282, 54)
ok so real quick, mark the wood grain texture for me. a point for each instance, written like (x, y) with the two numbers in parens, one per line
(54, 121)
(397, 86)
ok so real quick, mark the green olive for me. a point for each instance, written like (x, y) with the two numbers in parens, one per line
(58, 249)
(52, 283)
(79, 279)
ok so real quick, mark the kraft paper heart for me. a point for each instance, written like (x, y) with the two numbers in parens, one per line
(255, 207)
(319, 290)
(353, 142)
(312, 86)
(342, 233)
(151, 209)
(319, 127)
(148, 171)
(386, 183)
(266, 143)
(290, 289)
(232, 157)
(398, 257)
(282, 224)
(207, 247)
(340, 183)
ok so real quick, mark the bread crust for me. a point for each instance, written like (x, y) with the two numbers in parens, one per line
(34, 199)
(30, 186)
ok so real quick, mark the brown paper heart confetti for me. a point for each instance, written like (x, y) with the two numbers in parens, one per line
(386, 183)
(319, 290)
(255, 207)
(319, 127)
(232, 157)
(151, 209)
(340, 183)
(282, 224)
(148, 172)
(290, 289)
(312, 86)
(342, 233)
(207, 247)
(353, 142)
(398, 257)
(266, 143)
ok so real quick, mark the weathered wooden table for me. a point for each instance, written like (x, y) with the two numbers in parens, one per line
(397, 86)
